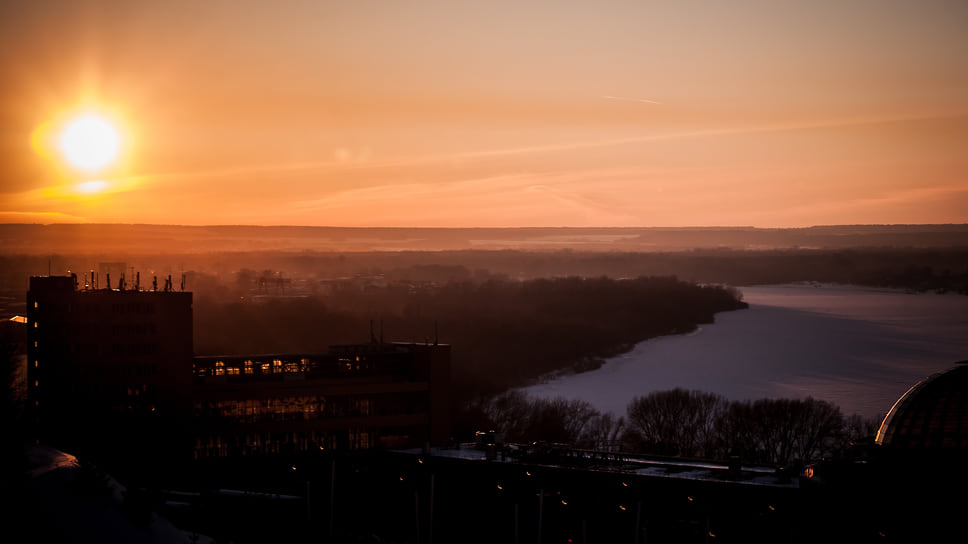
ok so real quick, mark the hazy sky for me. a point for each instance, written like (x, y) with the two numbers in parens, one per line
(496, 113)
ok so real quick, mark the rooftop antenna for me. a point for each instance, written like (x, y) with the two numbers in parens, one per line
(435, 332)
(183, 281)
(121, 282)
(154, 284)
(137, 281)
(108, 276)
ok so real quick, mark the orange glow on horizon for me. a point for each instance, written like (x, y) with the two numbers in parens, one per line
(685, 114)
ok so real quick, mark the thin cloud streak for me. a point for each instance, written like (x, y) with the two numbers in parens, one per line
(523, 199)
(298, 166)
(645, 100)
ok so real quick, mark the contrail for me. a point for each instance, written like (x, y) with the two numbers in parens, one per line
(647, 101)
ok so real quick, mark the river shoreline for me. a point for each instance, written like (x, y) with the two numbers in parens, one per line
(858, 347)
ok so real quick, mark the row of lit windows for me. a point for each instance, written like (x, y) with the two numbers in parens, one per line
(276, 366)
(343, 365)
(286, 408)
(274, 443)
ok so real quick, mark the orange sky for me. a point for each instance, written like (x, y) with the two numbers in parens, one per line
(499, 113)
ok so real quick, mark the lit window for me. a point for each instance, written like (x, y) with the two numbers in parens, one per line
(35, 304)
(36, 383)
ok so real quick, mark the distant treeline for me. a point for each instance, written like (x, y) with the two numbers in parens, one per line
(907, 268)
(504, 333)
(173, 239)
(777, 432)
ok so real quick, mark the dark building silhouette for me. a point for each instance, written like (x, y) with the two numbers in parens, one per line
(108, 368)
(112, 372)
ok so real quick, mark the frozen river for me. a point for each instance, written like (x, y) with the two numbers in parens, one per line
(860, 348)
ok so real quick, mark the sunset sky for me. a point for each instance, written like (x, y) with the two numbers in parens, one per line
(461, 114)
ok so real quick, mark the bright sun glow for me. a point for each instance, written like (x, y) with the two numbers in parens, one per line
(90, 142)
(91, 187)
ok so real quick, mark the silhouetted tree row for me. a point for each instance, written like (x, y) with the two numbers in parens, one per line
(695, 424)
(769, 431)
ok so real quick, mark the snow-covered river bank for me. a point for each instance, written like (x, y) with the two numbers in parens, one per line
(857, 347)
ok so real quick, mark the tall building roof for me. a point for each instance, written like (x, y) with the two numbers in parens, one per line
(932, 416)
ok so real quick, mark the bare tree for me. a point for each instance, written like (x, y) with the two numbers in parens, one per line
(676, 422)
(523, 419)
(603, 432)
(782, 431)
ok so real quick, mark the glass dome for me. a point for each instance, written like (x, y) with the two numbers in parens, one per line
(931, 416)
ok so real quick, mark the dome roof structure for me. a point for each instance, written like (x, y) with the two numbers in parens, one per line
(932, 416)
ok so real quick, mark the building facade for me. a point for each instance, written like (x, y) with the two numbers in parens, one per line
(376, 395)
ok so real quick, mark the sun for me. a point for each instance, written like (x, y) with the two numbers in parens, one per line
(90, 142)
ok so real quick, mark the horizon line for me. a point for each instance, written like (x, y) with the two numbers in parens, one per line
(546, 227)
